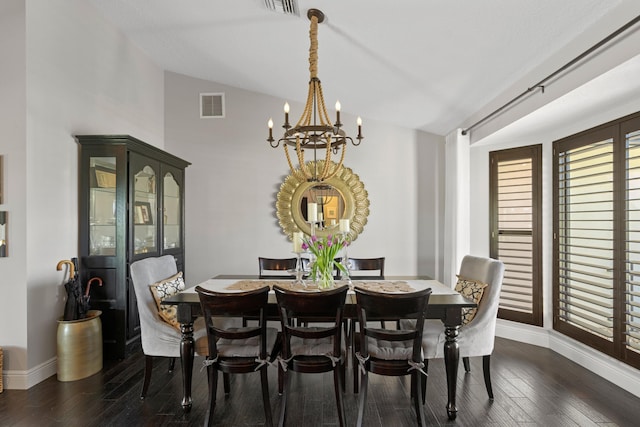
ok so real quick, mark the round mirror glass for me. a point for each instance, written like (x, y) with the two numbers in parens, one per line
(329, 205)
(341, 197)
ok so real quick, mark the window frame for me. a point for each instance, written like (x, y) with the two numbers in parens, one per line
(534, 153)
(616, 130)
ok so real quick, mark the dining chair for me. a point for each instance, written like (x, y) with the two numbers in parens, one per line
(385, 351)
(266, 267)
(235, 350)
(312, 349)
(159, 338)
(368, 266)
(477, 337)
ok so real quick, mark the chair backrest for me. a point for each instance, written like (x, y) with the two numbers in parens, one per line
(327, 306)
(275, 264)
(481, 330)
(366, 264)
(237, 304)
(155, 333)
(378, 305)
(489, 271)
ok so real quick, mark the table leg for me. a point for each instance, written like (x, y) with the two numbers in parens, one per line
(186, 357)
(451, 360)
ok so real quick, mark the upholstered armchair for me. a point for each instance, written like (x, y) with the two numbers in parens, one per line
(477, 337)
(159, 338)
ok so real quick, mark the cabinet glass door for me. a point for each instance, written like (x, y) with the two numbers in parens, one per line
(172, 212)
(145, 231)
(102, 206)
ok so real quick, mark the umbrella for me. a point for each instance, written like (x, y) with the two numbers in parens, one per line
(74, 290)
(83, 302)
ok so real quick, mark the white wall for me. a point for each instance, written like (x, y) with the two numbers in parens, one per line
(431, 205)
(235, 176)
(82, 77)
(13, 148)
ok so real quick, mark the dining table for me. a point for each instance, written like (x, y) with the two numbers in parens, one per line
(445, 304)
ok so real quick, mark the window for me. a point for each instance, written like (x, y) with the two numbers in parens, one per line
(516, 221)
(596, 238)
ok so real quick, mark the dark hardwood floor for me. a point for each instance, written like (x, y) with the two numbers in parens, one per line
(532, 386)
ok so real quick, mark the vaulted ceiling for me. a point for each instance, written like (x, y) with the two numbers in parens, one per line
(423, 64)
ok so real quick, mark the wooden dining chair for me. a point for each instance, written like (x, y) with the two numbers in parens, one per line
(266, 267)
(312, 349)
(235, 350)
(389, 352)
(365, 268)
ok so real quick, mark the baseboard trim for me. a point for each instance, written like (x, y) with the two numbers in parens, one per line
(23, 380)
(620, 374)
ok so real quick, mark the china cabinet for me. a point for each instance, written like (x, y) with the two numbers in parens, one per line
(131, 206)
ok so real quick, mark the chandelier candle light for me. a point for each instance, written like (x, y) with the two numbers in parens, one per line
(314, 130)
(312, 216)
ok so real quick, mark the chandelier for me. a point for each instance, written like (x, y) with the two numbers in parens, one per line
(314, 131)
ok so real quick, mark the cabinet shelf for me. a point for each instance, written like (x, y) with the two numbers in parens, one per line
(103, 190)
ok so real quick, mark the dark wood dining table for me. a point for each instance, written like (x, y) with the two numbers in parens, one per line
(444, 304)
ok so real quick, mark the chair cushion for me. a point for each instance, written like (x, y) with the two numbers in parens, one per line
(390, 350)
(249, 347)
(311, 346)
(473, 290)
(164, 289)
(200, 338)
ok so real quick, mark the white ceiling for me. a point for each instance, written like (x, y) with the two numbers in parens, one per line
(423, 64)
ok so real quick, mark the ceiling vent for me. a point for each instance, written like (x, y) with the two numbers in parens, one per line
(211, 105)
(288, 7)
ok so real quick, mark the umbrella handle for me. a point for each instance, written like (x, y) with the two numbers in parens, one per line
(93, 279)
(72, 269)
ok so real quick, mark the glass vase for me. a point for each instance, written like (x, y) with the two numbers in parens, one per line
(325, 278)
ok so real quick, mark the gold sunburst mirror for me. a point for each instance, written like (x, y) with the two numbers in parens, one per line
(341, 197)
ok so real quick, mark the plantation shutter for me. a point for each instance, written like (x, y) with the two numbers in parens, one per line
(584, 235)
(597, 238)
(516, 212)
(632, 241)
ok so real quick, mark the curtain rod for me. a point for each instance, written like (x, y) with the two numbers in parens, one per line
(540, 84)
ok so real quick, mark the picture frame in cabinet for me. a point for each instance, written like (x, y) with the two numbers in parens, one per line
(142, 213)
(105, 178)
